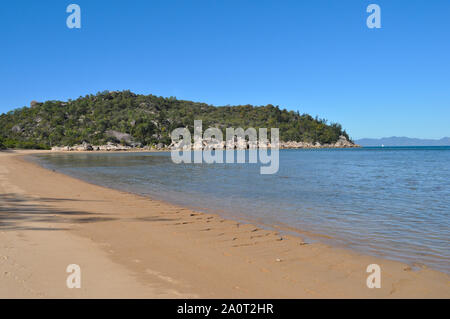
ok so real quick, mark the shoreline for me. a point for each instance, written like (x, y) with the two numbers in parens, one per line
(68, 149)
(238, 215)
(177, 252)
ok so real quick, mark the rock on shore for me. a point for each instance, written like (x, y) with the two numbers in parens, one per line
(211, 144)
(342, 142)
(108, 147)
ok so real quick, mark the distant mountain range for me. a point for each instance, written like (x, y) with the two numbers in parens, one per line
(402, 141)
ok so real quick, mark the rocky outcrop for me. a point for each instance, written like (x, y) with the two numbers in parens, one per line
(242, 144)
(61, 148)
(209, 144)
(34, 103)
(88, 147)
(16, 129)
(119, 136)
(108, 147)
(342, 142)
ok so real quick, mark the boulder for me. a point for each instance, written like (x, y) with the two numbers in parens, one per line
(159, 146)
(16, 129)
(87, 146)
(34, 104)
(119, 136)
(343, 142)
(213, 144)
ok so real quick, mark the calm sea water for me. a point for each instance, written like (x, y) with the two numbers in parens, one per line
(389, 202)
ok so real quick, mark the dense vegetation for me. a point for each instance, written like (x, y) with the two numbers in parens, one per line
(146, 120)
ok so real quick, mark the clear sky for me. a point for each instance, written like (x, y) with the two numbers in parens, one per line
(317, 57)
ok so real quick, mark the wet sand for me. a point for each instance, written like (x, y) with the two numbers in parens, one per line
(129, 246)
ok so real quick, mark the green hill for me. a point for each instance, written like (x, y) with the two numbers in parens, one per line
(146, 119)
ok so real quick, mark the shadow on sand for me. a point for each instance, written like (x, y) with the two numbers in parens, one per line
(19, 212)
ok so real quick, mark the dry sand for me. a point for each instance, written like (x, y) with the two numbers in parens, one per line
(130, 246)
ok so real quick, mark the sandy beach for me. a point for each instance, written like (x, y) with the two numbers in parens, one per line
(129, 246)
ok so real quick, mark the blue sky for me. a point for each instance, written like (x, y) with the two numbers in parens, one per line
(317, 57)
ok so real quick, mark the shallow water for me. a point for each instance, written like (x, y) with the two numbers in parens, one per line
(389, 202)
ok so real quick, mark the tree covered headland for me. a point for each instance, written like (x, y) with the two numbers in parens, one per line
(146, 120)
